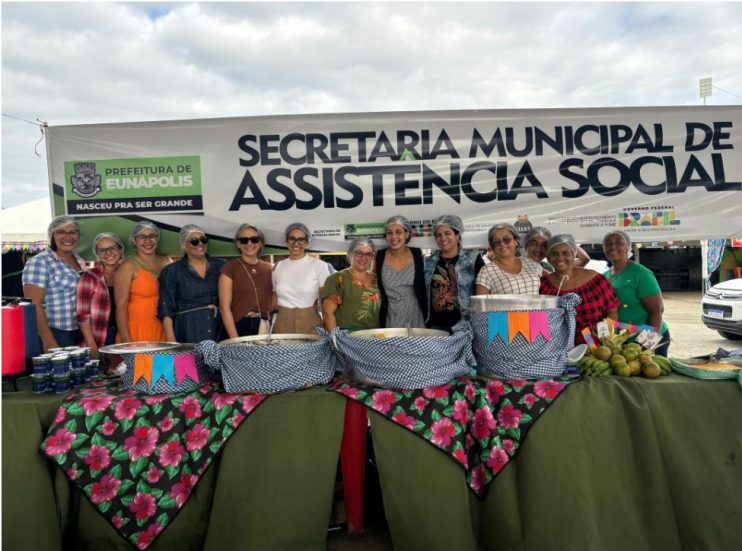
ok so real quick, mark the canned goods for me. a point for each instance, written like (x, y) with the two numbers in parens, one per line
(87, 353)
(54, 350)
(60, 364)
(92, 369)
(62, 384)
(39, 383)
(78, 357)
(42, 364)
(77, 376)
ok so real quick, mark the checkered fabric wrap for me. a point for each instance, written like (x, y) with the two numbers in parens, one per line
(408, 362)
(268, 369)
(520, 359)
(162, 386)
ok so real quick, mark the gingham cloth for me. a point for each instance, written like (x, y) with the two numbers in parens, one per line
(59, 281)
(407, 362)
(162, 386)
(521, 359)
(268, 369)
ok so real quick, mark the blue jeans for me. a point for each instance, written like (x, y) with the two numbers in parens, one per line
(65, 338)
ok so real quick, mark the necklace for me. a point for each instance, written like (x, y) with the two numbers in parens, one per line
(249, 265)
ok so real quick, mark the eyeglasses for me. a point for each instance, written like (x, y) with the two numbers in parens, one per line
(107, 250)
(503, 241)
(254, 239)
(146, 237)
(359, 254)
(196, 240)
(62, 233)
(299, 240)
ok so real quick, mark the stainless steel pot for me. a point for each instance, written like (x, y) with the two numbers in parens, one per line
(493, 303)
(265, 340)
(389, 332)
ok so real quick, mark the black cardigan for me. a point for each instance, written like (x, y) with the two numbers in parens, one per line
(419, 283)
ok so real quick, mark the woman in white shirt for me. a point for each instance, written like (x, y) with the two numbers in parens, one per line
(508, 274)
(297, 281)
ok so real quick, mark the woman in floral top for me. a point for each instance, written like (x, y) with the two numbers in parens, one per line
(350, 297)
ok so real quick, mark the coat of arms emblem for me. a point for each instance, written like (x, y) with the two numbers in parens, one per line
(85, 182)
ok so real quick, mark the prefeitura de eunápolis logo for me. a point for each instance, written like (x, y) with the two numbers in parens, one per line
(85, 182)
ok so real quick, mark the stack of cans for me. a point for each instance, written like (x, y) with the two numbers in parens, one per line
(62, 369)
(41, 379)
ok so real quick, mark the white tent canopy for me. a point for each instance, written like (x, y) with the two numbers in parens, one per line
(26, 223)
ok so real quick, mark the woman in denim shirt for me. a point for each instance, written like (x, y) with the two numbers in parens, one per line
(449, 275)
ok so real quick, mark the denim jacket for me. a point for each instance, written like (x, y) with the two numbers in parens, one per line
(465, 277)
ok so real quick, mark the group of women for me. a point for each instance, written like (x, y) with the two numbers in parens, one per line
(148, 297)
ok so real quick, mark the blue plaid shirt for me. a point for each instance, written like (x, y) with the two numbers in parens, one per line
(59, 281)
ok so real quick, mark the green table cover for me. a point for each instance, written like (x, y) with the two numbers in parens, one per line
(270, 488)
(614, 464)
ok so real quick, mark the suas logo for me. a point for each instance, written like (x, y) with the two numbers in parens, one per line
(85, 182)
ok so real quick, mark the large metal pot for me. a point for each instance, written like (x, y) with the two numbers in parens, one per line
(388, 332)
(265, 340)
(494, 303)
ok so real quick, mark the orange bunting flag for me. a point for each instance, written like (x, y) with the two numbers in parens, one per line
(519, 322)
(143, 367)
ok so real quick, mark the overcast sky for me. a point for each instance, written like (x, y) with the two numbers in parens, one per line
(74, 63)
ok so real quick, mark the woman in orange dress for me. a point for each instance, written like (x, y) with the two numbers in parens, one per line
(137, 289)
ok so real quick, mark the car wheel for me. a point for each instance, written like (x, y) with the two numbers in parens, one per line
(730, 336)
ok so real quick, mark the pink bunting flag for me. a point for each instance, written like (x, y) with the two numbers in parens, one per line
(185, 364)
(539, 325)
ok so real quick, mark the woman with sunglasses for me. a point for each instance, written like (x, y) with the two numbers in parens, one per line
(350, 297)
(137, 289)
(401, 278)
(96, 306)
(297, 281)
(449, 275)
(188, 305)
(50, 280)
(507, 274)
(246, 286)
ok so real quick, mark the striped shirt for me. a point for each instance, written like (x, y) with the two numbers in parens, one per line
(59, 281)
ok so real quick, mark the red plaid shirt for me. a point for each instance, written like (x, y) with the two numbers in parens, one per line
(598, 296)
(94, 303)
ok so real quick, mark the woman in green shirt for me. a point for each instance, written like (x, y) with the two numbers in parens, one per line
(636, 288)
(350, 297)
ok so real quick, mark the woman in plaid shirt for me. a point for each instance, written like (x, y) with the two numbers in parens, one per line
(50, 281)
(599, 300)
(96, 307)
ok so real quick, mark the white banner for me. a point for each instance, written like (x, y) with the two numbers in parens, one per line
(665, 173)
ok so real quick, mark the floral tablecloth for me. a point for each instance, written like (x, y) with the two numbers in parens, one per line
(479, 423)
(137, 457)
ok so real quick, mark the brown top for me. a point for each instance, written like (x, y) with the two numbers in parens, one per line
(243, 291)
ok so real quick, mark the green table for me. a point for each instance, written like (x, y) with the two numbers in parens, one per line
(613, 464)
(271, 487)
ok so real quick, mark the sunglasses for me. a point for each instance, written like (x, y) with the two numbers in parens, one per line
(299, 240)
(245, 240)
(196, 240)
(503, 241)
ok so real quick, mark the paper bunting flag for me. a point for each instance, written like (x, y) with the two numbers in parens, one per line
(631, 326)
(185, 364)
(497, 324)
(539, 325)
(143, 368)
(589, 340)
(162, 366)
(518, 322)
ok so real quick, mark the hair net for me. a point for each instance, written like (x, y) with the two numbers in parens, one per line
(57, 223)
(247, 226)
(562, 238)
(108, 235)
(620, 233)
(136, 230)
(402, 221)
(538, 231)
(503, 226)
(450, 220)
(187, 230)
(297, 226)
(357, 242)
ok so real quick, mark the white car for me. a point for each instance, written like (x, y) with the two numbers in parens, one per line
(722, 309)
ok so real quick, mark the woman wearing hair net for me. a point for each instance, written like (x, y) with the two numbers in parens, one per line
(96, 306)
(598, 297)
(350, 297)
(401, 278)
(188, 304)
(297, 281)
(50, 281)
(636, 287)
(449, 274)
(137, 288)
(507, 274)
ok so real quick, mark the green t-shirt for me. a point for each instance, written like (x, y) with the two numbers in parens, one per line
(358, 306)
(633, 284)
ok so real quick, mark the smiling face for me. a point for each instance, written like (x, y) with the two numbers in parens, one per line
(108, 252)
(145, 242)
(297, 242)
(198, 250)
(66, 238)
(396, 236)
(616, 249)
(361, 258)
(251, 248)
(562, 258)
(536, 248)
(503, 244)
(447, 240)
